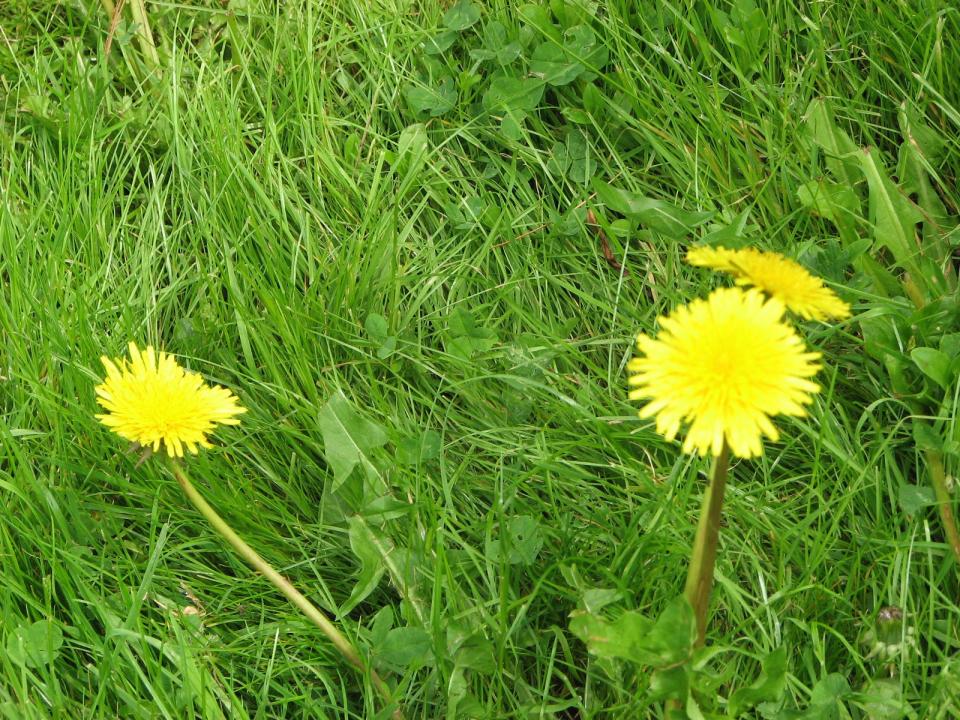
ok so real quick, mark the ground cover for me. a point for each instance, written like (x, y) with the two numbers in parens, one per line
(441, 228)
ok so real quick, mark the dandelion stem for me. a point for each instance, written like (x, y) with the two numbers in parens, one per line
(282, 584)
(939, 479)
(704, 555)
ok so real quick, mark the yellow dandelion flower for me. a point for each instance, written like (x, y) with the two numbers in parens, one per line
(722, 367)
(776, 275)
(150, 399)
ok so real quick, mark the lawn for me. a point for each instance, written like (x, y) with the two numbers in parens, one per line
(418, 241)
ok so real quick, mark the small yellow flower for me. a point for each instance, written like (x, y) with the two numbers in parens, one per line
(150, 399)
(776, 275)
(722, 366)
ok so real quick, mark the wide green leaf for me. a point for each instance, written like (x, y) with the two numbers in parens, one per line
(892, 214)
(432, 100)
(934, 364)
(836, 144)
(580, 43)
(34, 645)
(419, 448)
(513, 93)
(554, 65)
(520, 542)
(914, 498)
(621, 638)
(348, 437)
(370, 549)
(673, 634)
(635, 637)
(406, 646)
(836, 202)
(461, 16)
(766, 688)
(826, 697)
(659, 215)
(466, 337)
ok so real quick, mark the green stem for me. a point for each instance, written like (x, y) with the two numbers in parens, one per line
(281, 583)
(147, 45)
(704, 556)
(939, 479)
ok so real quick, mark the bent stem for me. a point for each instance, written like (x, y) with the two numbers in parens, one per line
(704, 555)
(282, 584)
(939, 479)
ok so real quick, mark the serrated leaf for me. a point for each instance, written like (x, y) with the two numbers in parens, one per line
(733, 235)
(370, 550)
(618, 639)
(838, 203)
(659, 215)
(892, 214)
(382, 509)
(914, 171)
(461, 16)
(837, 145)
(825, 697)
(672, 636)
(348, 437)
(929, 143)
(634, 637)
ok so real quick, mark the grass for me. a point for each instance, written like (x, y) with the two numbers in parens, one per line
(249, 208)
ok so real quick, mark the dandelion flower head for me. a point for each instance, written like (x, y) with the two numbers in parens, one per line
(721, 367)
(778, 276)
(151, 400)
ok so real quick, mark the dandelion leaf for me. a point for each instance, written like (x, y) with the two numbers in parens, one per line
(370, 549)
(348, 437)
